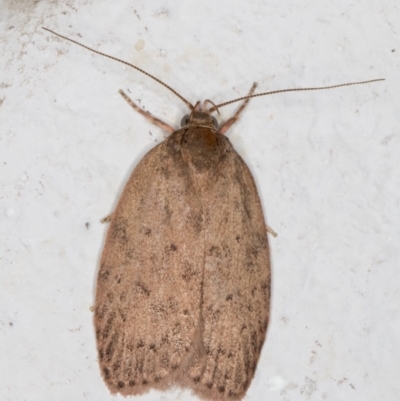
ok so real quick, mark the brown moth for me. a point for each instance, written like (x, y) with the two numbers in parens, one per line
(183, 290)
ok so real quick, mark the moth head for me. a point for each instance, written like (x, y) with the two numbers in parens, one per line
(200, 116)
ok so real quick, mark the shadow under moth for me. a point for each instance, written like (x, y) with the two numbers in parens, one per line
(183, 289)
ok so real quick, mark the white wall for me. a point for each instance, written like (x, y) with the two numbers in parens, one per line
(326, 165)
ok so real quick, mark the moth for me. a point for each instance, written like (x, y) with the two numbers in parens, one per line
(183, 289)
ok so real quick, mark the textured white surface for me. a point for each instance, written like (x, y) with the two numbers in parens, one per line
(326, 164)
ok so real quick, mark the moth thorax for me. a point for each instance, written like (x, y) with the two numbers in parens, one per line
(201, 148)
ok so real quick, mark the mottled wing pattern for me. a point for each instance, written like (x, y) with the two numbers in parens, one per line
(184, 283)
(236, 290)
(148, 289)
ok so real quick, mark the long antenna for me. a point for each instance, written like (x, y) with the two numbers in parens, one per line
(215, 107)
(123, 62)
(293, 90)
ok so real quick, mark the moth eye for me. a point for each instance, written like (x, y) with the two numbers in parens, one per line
(215, 122)
(185, 120)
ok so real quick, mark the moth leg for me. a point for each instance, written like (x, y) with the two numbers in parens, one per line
(106, 219)
(271, 231)
(235, 117)
(144, 113)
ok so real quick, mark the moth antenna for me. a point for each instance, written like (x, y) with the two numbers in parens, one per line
(294, 90)
(123, 62)
(213, 108)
